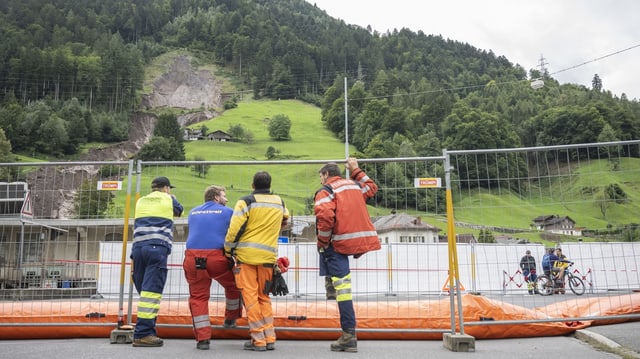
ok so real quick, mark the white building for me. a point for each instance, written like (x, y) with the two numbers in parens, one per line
(403, 228)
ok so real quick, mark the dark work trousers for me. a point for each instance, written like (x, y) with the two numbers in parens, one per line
(149, 278)
(336, 266)
(529, 275)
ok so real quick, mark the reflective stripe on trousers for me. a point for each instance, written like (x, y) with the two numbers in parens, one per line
(345, 302)
(149, 277)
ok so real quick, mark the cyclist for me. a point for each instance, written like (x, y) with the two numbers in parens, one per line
(560, 263)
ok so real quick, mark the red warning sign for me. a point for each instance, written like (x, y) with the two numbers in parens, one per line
(27, 206)
(427, 182)
(445, 287)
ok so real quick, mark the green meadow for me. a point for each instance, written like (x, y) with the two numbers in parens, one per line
(574, 195)
(310, 140)
(309, 137)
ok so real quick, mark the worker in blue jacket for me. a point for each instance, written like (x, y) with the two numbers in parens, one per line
(547, 261)
(204, 260)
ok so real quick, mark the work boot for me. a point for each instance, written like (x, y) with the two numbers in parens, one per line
(203, 345)
(251, 346)
(346, 343)
(530, 287)
(331, 290)
(148, 341)
(229, 323)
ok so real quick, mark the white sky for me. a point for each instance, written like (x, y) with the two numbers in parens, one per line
(566, 33)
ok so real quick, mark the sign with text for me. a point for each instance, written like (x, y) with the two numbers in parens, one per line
(426, 182)
(109, 185)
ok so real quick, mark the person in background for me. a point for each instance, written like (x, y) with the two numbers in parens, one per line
(343, 228)
(252, 244)
(528, 267)
(152, 242)
(547, 261)
(560, 263)
(204, 260)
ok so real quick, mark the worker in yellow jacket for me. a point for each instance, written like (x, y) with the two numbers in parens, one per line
(252, 244)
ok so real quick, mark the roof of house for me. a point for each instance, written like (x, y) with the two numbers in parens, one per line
(552, 219)
(402, 221)
(543, 218)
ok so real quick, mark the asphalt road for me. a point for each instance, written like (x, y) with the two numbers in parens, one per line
(601, 342)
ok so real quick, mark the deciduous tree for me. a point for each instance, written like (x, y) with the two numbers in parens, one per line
(279, 128)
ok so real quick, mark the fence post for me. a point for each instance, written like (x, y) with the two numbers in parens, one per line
(473, 268)
(296, 270)
(389, 271)
(504, 282)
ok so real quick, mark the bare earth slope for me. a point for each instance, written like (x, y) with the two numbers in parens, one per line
(181, 86)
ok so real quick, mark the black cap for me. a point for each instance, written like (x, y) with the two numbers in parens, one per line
(160, 182)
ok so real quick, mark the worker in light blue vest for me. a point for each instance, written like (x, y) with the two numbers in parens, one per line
(152, 241)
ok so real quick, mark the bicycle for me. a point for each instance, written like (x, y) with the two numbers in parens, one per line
(546, 285)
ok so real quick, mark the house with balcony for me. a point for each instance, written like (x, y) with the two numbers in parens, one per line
(557, 224)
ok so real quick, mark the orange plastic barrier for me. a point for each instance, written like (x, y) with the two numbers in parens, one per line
(408, 315)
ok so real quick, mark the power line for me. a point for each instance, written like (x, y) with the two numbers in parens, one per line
(542, 64)
(596, 59)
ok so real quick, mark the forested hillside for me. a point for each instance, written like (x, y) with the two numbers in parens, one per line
(71, 72)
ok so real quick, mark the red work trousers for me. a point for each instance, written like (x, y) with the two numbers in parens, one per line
(251, 280)
(217, 268)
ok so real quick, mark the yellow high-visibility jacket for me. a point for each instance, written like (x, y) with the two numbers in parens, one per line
(255, 226)
(154, 218)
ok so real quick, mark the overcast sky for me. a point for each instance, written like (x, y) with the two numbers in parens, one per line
(594, 36)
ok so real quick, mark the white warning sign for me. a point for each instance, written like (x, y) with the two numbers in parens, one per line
(27, 206)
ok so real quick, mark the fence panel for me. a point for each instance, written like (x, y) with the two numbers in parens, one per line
(577, 197)
(70, 246)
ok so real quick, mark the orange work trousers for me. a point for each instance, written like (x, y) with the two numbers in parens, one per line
(251, 280)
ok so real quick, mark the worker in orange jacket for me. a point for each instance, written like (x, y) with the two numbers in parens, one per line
(343, 228)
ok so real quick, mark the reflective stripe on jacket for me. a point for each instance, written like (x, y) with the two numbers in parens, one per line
(154, 218)
(342, 217)
(255, 226)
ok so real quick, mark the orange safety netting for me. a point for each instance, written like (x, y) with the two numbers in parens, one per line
(84, 319)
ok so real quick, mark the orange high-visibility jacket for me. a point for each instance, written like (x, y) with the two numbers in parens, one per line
(342, 217)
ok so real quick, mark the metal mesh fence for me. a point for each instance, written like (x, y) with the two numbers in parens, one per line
(63, 245)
